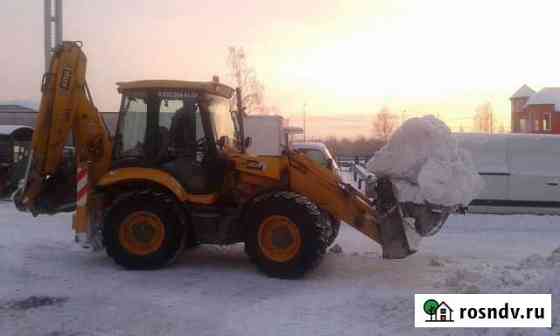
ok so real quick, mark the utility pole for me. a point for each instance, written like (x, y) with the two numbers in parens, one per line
(53, 22)
(305, 122)
(491, 121)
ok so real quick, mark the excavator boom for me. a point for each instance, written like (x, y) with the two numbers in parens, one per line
(66, 109)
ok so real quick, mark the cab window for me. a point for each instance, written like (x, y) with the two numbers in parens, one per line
(133, 125)
(182, 118)
(221, 118)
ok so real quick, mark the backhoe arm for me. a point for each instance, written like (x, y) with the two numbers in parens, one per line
(66, 108)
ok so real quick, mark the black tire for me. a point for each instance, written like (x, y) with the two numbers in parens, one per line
(335, 229)
(157, 206)
(311, 223)
(250, 252)
(191, 243)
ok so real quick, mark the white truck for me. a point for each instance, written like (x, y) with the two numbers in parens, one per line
(270, 135)
(267, 133)
(521, 172)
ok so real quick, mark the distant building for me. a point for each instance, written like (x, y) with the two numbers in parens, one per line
(19, 115)
(535, 112)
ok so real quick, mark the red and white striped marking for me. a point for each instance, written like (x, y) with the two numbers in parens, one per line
(82, 186)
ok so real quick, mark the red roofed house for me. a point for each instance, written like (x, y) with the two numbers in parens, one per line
(535, 112)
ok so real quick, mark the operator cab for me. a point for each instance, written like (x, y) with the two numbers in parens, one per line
(177, 126)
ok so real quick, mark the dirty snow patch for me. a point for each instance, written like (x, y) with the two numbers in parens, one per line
(34, 302)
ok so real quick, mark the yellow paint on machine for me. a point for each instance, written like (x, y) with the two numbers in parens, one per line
(324, 188)
(272, 167)
(131, 174)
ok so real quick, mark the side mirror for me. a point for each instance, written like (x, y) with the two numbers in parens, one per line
(248, 142)
(330, 163)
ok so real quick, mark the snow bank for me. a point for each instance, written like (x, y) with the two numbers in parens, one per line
(535, 274)
(532, 274)
(426, 165)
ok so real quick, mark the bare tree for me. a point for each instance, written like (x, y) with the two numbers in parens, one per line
(484, 120)
(245, 77)
(384, 124)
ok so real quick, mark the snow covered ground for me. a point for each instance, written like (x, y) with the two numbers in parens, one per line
(48, 286)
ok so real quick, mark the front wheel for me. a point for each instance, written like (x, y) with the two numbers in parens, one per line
(287, 235)
(142, 233)
(335, 229)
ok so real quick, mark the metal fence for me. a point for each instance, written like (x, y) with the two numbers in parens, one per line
(361, 176)
(346, 163)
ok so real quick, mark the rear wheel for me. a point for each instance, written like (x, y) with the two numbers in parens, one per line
(142, 233)
(287, 235)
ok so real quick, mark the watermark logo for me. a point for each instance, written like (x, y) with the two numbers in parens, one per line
(438, 311)
(483, 310)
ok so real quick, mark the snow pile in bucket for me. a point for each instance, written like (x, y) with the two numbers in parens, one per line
(426, 164)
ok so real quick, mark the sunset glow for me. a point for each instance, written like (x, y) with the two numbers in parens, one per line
(345, 59)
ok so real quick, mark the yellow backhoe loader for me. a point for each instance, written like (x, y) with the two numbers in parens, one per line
(176, 174)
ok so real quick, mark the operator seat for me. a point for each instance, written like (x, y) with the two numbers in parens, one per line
(184, 165)
(183, 132)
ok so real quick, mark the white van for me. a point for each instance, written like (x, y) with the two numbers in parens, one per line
(521, 172)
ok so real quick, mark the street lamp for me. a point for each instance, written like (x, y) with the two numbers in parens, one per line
(53, 21)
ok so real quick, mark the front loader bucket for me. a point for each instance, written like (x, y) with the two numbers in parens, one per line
(428, 218)
(391, 224)
(397, 227)
(394, 240)
(402, 225)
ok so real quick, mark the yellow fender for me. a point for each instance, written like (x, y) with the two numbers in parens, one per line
(136, 174)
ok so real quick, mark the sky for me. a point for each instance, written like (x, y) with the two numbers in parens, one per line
(344, 60)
